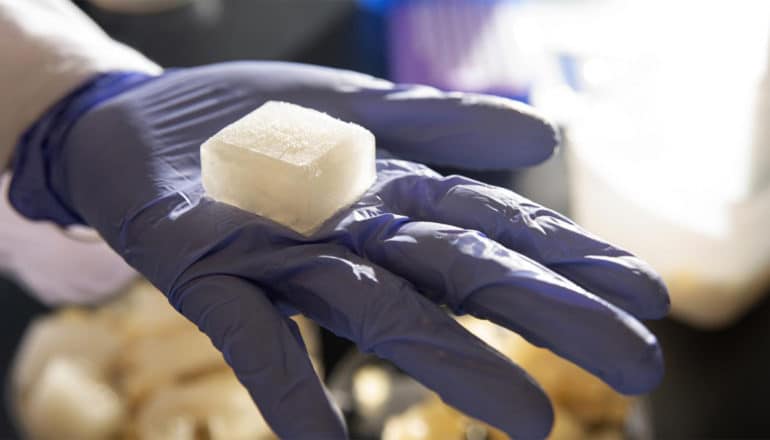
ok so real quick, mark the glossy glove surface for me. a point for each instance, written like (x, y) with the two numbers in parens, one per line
(375, 273)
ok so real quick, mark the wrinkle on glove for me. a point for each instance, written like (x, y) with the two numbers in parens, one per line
(378, 272)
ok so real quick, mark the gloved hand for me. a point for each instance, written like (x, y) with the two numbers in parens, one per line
(122, 155)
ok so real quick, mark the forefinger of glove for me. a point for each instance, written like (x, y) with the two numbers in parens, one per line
(414, 122)
(469, 131)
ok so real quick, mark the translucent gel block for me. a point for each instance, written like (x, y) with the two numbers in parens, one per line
(293, 165)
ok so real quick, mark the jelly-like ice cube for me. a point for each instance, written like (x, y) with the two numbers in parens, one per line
(293, 165)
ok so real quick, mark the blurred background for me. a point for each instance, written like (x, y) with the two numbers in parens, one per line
(663, 107)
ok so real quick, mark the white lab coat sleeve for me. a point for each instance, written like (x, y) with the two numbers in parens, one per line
(58, 268)
(47, 48)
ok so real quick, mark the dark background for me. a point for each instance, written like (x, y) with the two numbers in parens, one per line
(716, 383)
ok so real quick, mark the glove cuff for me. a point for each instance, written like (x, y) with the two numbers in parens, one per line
(38, 151)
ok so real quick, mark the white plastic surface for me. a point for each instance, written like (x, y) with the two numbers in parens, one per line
(713, 278)
(293, 165)
(668, 153)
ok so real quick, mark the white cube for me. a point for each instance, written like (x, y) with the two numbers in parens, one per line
(293, 165)
(70, 402)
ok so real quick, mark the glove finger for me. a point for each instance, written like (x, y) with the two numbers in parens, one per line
(537, 232)
(331, 285)
(471, 273)
(414, 122)
(266, 352)
(383, 314)
(470, 131)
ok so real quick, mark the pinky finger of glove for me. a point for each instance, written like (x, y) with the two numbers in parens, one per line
(266, 353)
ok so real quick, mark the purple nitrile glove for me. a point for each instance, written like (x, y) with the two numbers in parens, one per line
(122, 154)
